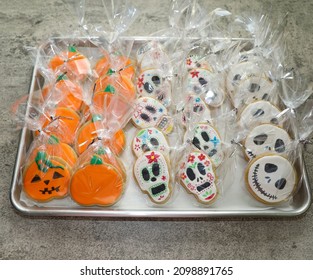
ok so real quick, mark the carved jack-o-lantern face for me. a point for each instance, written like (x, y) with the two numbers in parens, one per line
(46, 178)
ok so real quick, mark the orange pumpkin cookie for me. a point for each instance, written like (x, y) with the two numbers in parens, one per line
(63, 125)
(57, 149)
(96, 183)
(76, 64)
(88, 133)
(46, 178)
(65, 93)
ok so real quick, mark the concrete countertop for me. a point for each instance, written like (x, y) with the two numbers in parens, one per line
(27, 23)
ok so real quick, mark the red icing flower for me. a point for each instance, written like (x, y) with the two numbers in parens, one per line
(137, 139)
(152, 157)
(207, 163)
(191, 187)
(191, 158)
(201, 157)
(140, 82)
(137, 147)
(163, 178)
(188, 61)
(183, 165)
(183, 176)
(150, 131)
(210, 176)
(194, 73)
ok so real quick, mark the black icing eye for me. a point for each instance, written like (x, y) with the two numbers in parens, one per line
(254, 87)
(212, 153)
(156, 80)
(191, 175)
(154, 142)
(197, 109)
(145, 147)
(274, 121)
(150, 109)
(202, 81)
(281, 183)
(260, 139)
(145, 174)
(156, 169)
(265, 97)
(196, 142)
(258, 113)
(201, 168)
(145, 117)
(236, 79)
(161, 97)
(57, 175)
(279, 146)
(36, 179)
(205, 136)
(148, 87)
(270, 168)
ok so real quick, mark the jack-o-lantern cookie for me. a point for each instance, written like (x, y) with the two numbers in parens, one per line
(271, 179)
(266, 138)
(46, 177)
(96, 183)
(64, 93)
(195, 110)
(74, 63)
(254, 89)
(150, 112)
(151, 171)
(152, 83)
(89, 132)
(208, 140)
(198, 178)
(150, 139)
(63, 123)
(259, 112)
(55, 148)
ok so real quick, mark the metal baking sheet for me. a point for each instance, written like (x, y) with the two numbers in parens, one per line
(235, 202)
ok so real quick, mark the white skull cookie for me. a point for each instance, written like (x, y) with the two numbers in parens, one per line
(259, 112)
(208, 140)
(271, 179)
(198, 178)
(150, 139)
(152, 83)
(150, 112)
(152, 174)
(266, 138)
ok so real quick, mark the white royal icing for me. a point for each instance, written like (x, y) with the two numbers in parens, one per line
(259, 112)
(153, 83)
(207, 139)
(197, 176)
(150, 139)
(272, 178)
(152, 174)
(266, 138)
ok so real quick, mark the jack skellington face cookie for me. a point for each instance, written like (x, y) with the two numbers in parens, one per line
(150, 112)
(195, 109)
(271, 179)
(150, 139)
(266, 138)
(198, 178)
(152, 174)
(259, 112)
(208, 140)
(153, 83)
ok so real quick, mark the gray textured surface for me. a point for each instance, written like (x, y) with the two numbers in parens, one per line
(25, 23)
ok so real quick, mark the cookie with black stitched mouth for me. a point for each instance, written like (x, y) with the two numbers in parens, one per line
(198, 177)
(151, 171)
(271, 179)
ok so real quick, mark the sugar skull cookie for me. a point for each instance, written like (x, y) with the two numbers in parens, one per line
(198, 178)
(271, 178)
(150, 139)
(266, 138)
(150, 112)
(152, 174)
(152, 83)
(195, 110)
(259, 112)
(208, 140)
(46, 177)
